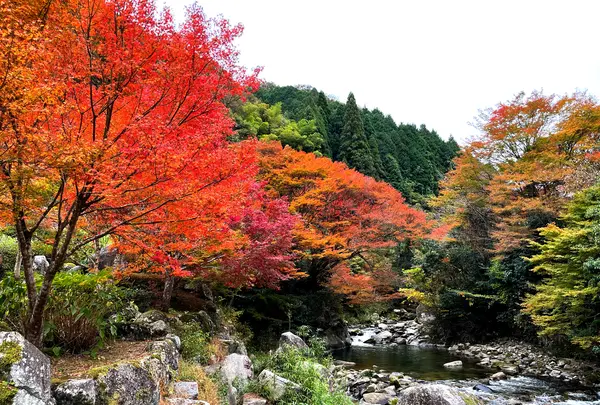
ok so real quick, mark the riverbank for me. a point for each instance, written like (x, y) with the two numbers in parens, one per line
(510, 357)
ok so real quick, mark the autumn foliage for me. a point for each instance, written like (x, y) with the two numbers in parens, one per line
(534, 152)
(111, 122)
(346, 217)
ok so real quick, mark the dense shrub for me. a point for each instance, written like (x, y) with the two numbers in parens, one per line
(78, 316)
(304, 367)
(197, 346)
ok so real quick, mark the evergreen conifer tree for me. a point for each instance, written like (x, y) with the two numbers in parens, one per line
(354, 145)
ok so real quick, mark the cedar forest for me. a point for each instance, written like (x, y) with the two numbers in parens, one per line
(121, 130)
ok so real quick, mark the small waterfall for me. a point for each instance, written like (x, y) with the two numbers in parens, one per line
(367, 334)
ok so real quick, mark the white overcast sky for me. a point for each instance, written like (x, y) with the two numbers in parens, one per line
(430, 62)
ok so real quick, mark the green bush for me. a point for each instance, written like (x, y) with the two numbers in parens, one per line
(78, 314)
(305, 368)
(195, 343)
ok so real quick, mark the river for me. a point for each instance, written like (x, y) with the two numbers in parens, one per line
(428, 364)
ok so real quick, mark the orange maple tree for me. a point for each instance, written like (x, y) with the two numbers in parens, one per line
(347, 218)
(111, 120)
(534, 153)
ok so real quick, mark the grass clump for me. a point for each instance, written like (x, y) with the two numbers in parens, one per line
(208, 389)
(307, 368)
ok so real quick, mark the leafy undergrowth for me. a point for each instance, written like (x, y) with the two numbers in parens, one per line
(307, 368)
(198, 345)
(79, 365)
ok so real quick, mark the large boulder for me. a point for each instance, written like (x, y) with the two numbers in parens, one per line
(25, 369)
(381, 336)
(76, 392)
(236, 369)
(201, 317)
(337, 335)
(275, 385)
(127, 384)
(425, 315)
(147, 325)
(163, 362)
(40, 264)
(288, 339)
(435, 394)
(381, 398)
(107, 257)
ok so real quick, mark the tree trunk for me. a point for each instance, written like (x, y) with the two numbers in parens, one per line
(34, 328)
(17, 269)
(168, 290)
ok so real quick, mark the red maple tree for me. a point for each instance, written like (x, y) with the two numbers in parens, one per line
(111, 119)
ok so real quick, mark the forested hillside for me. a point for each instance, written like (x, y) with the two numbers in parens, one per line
(521, 257)
(157, 199)
(412, 159)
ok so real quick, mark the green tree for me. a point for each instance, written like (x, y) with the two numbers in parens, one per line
(354, 145)
(566, 304)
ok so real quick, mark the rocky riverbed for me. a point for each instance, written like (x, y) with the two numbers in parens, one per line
(509, 372)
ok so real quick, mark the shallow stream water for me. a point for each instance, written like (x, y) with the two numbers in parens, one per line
(428, 364)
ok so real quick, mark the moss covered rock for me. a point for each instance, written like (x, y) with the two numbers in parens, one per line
(126, 384)
(24, 372)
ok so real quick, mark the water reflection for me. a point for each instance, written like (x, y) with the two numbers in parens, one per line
(423, 363)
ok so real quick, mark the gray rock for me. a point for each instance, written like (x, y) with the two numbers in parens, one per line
(150, 324)
(185, 389)
(371, 388)
(175, 339)
(454, 364)
(184, 401)
(435, 394)
(510, 369)
(151, 316)
(342, 363)
(107, 257)
(498, 376)
(167, 352)
(288, 339)
(555, 374)
(275, 384)
(377, 398)
(76, 392)
(40, 264)
(483, 388)
(232, 395)
(381, 336)
(236, 368)
(424, 315)
(127, 384)
(337, 335)
(253, 399)
(158, 329)
(236, 346)
(24, 398)
(163, 362)
(201, 317)
(29, 369)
